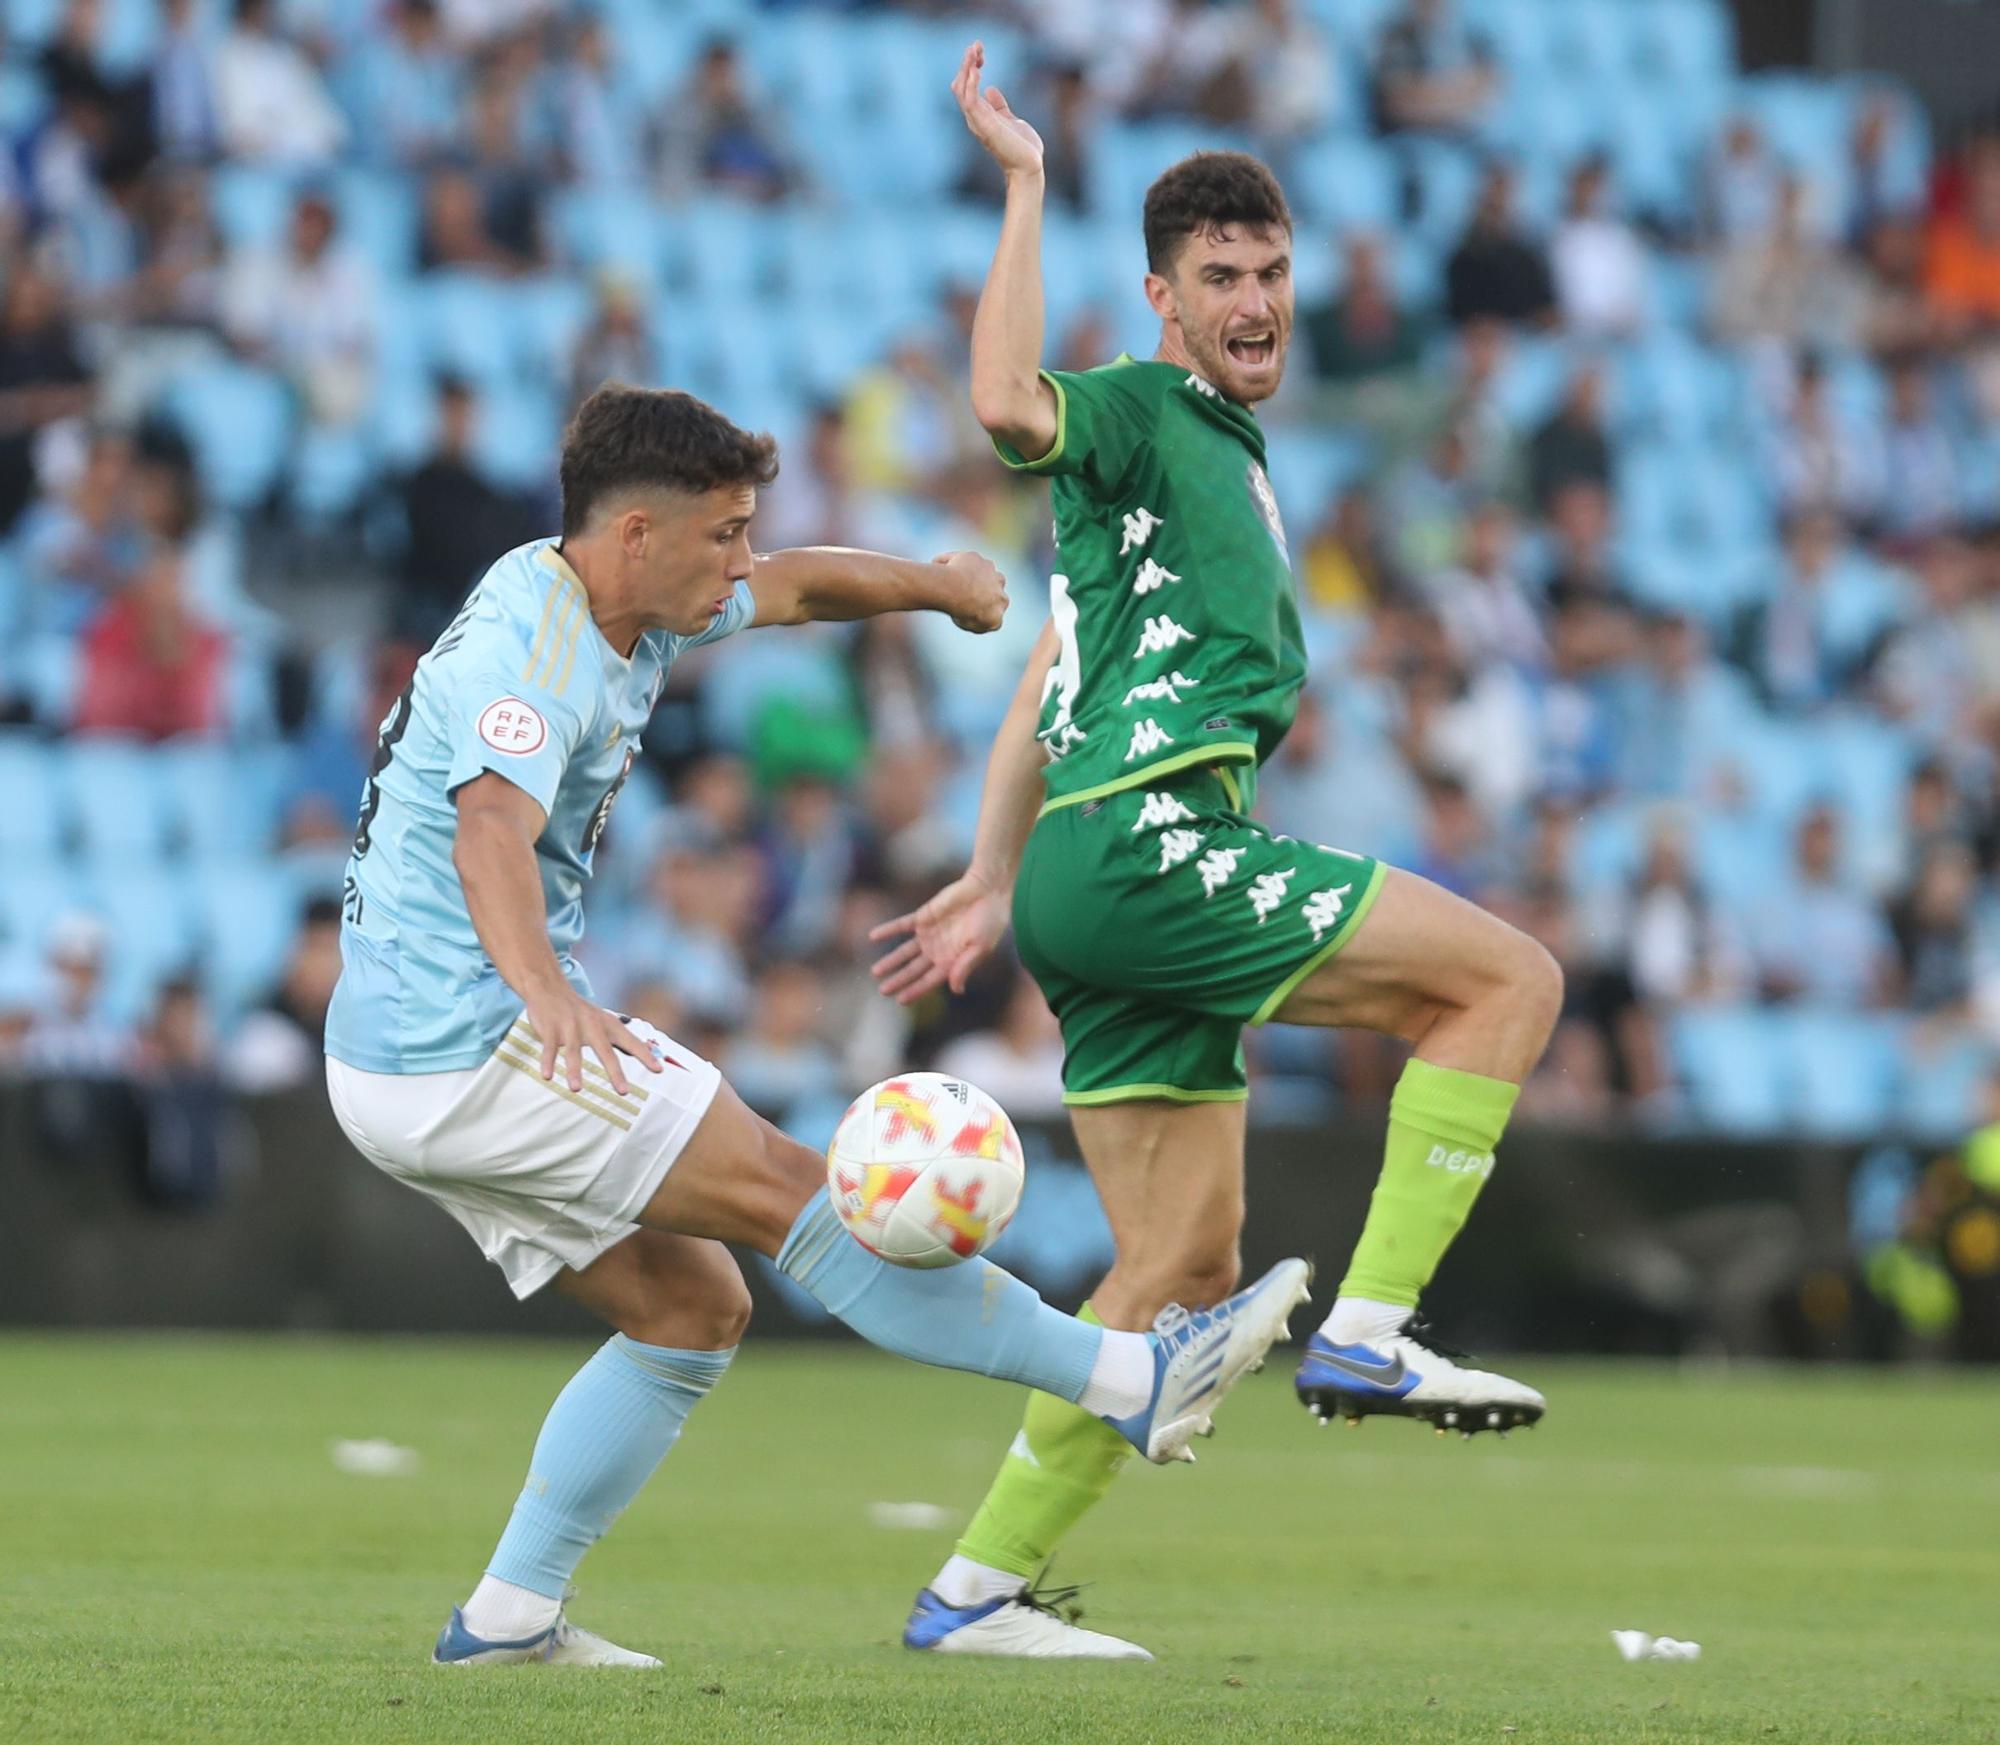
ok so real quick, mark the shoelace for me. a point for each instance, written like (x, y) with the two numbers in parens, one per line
(1419, 1332)
(1059, 1603)
(1171, 1320)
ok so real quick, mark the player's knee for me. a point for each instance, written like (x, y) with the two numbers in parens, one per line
(711, 1319)
(1535, 981)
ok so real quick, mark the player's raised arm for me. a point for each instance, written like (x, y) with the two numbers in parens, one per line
(1009, 396)
(958, 927)
(830, 584)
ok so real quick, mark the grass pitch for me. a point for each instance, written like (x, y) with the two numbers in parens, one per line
(180, 1560)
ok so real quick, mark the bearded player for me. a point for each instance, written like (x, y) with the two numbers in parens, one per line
(1157, 915)
(467, 1058)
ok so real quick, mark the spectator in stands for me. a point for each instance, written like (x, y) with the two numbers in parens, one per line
(1366, 329)
(43, 381)
(1582, 567)
(811, 848)
(1598, 261)
(1878, 189)
(1679, 947)
(1682, 702)
(1785, 285)
(457, 521)
(1920, 483)
(813, 501)
(152, 665)
(186, 112)
(1743, 185)
(1457, 847)
(1572, 447)
(19, 999)
(507, 161)
(279, 1044)
(1817, 937)
(456, 234)
(1342, 567)
(1019, 1060)
(909, 420)
(1929, 674)
(270, 102)
(696, 928)
(781, 1059)
(1962, 271)
(1818, 458)
(178, 284)
(309, 307)
(1428, 501)
(600, 131)
(1498, 269)
(73, 1038)
(83, 546)
(1432, 73)
(119, 109)
(185, 1109)
(1482, 602)
(717, 135)
(617, 346)
(405, 87)
(1932, 921)
(1897, 314)
(1327, 785)
(1806, 643)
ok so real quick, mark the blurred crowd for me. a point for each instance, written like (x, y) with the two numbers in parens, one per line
(1640, 453)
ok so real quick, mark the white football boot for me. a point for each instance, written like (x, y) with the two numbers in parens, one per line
(1407, 1374)
(562, 1644)
(1023, 1626)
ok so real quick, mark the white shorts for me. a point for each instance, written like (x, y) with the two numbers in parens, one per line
(542, 1176)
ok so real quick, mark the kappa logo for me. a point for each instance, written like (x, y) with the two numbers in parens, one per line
(1160, 635)
(1153, 575)
(1453, 1162)
(1148, 737)
(1160, 810)
(1167, 689)
(1138, 525)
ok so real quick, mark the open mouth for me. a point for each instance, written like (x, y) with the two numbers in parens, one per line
(1254, 349)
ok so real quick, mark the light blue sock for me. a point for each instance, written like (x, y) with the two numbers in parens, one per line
(609, 1428)
(975, 1317)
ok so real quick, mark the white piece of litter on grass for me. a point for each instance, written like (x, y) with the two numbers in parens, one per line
(913, 1517)
(372, 1457)
(1640, 1645)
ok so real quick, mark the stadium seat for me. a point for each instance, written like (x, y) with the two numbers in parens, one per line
(1943, 1080)
(219, 801)
(238, 419)
(1735, 1072)
(619, 230)
(1347, 182)
(153, 936)
(33, 815)
(34, 893)
(1846, 1067)
(469, 326)
(251, 203)
(379, 218)
(246, 913)
(114, 799)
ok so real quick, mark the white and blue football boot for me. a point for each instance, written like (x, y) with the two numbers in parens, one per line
(562, 1644)
(1198, 1357)
(1407, 1374)
(1031, 1625)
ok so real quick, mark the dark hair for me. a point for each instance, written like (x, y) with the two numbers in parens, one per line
(1204, 192)
(623, 438)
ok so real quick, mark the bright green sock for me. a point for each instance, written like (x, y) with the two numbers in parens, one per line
(1061, 1462)
(1443, 1126)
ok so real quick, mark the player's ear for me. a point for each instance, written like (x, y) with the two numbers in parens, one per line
(635, 528)
(1160, 293)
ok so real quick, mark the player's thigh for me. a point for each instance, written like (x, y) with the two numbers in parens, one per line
(1170, 1178)
(661, 1289)
(737, 1179)
(1419, 950)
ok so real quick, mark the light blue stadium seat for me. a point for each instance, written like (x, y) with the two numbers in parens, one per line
(655, 44)
(1738, 861)
(246, 914)
(379, 217)
(220, 801)
(727, 248)
(114, 799)
(239, 421)
(1348, 182)
(1943, 1084)
(1610, 847)
(1695, 40)
(33, 814)
(1735, 1072)
(333, 467)
(517, 434)
(469, 326)
(1447, 182)
(620, 230)
(550, 313)
(252, 204)
(1309, 468)
(1130, 156)
(1847, 1068)
(34, 892)
(150, 914)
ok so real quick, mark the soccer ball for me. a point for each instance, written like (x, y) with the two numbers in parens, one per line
(925, 1170)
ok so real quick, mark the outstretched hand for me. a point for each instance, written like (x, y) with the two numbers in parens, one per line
(1015, 146)
(948, 939)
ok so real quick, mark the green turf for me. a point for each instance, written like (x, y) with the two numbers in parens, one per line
(179, 1560)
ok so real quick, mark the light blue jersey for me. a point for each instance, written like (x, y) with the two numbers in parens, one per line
(523, 683)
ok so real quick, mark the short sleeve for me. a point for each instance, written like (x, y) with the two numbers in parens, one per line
(742, 607)
(501, 721)
(1098, 430)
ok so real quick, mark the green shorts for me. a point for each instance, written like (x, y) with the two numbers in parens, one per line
(1159, 921)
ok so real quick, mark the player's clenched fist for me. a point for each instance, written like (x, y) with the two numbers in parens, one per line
(978, 599)
(1015, 145)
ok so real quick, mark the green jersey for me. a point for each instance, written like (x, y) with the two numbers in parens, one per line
(1175, 605)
